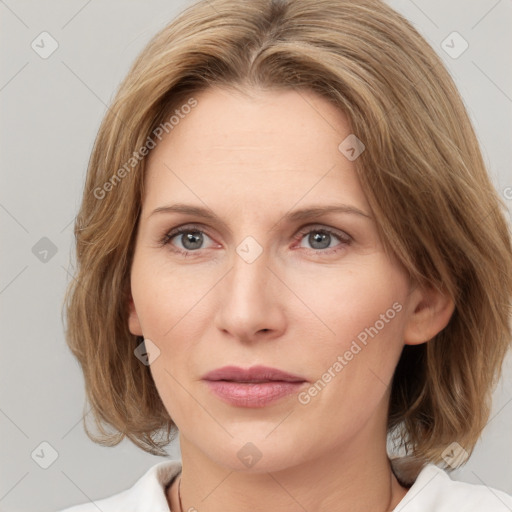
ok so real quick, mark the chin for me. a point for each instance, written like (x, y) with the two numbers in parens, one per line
(253, 453)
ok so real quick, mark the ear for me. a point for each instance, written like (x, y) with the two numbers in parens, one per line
(133, 319)
(431, 310)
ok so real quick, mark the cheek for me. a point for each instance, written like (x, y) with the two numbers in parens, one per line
(348, 300)
(172, 306)
(353, 367)
(165, 294)
(364, 311)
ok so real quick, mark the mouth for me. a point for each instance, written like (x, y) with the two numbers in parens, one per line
(255, 374)
(254, 387)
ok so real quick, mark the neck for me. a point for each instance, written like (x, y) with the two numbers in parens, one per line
(356, 478)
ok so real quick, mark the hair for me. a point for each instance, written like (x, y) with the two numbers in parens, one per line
(422, 171)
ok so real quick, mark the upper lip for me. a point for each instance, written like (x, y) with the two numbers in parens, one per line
(253, 374)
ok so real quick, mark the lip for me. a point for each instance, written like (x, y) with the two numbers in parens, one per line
(253, 374)
(255, 387)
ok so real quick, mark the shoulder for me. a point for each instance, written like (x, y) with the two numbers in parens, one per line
(434, 490)
(146, 495)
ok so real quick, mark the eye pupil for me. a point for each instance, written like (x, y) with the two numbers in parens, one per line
(192, 240)
(322, 238)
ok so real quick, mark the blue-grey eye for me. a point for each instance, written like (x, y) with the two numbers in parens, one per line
(319, 240)
(191, 240)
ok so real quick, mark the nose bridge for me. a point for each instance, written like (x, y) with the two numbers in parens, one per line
(247, 304)
(248, 279)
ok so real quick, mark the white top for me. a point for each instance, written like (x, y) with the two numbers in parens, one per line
(433, 491)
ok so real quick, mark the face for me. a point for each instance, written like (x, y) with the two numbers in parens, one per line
(286, 270)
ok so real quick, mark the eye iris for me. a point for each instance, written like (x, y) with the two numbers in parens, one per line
(192, 240)
(323, 239)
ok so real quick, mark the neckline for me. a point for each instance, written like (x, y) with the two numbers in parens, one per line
(408, 486)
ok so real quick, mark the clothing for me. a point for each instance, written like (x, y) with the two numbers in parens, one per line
(433, 491)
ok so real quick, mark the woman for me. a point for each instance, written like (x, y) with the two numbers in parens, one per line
(290, 252)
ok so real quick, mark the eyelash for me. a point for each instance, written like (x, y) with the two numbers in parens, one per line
(344, 238)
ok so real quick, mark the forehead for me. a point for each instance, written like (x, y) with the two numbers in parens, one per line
(233, 148)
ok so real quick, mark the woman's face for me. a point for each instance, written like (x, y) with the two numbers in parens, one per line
(286, 271)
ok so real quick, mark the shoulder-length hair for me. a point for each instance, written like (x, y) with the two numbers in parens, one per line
(422, 172)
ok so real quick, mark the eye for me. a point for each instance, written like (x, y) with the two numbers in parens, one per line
(189, 239)
(322, 239)
(185, 239)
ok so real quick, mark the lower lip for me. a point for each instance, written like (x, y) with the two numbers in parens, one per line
(252, 394)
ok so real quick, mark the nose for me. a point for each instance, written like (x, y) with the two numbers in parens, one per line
(250, 303)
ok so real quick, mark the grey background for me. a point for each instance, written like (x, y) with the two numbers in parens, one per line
(50, 111)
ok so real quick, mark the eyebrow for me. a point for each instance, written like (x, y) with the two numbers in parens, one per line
(292, 216)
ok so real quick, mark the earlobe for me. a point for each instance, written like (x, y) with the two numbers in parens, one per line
(133, 319)
(431, 310)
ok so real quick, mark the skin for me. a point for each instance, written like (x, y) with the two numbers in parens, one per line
(251, 159)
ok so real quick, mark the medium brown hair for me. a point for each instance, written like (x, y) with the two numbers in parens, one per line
(422, 172)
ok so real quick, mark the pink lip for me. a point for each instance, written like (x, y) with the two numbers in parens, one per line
(253, 374)
(252, 387)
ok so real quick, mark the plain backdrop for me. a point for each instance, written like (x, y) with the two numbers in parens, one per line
(51, 109)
